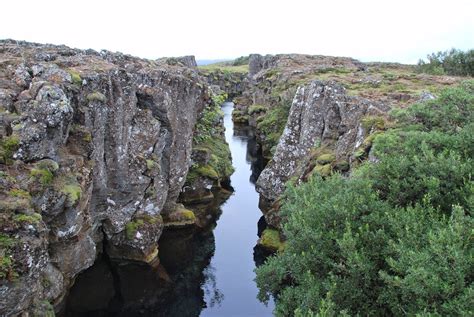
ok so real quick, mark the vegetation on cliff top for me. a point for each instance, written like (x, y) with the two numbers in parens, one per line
(395, 238)
(454, 62)
(209, 138)
(224, 68)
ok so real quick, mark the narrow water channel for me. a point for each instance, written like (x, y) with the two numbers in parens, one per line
(236, 230)
(203, 271)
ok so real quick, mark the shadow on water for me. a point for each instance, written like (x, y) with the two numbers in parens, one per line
(205, 271)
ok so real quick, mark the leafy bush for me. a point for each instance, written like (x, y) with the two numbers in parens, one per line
(454, 62)
(393, 239)
(242, 60)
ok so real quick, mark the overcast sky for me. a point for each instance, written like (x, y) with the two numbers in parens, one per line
(401, 31)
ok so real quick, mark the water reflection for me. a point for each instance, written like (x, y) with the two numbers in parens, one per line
(203, 271)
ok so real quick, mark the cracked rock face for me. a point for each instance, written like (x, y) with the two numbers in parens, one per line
(100, 147)
(321, 114)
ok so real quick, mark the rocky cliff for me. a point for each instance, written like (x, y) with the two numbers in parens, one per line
(95, 148)
(325, 130)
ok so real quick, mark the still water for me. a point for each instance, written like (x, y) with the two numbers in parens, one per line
(203, 272)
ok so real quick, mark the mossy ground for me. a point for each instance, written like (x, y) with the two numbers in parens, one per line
(138, 222)
(180, 217)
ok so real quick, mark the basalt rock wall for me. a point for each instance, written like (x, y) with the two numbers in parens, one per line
(94, 147)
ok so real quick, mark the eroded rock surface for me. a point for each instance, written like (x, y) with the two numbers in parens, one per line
(95, 146)
(321, 115)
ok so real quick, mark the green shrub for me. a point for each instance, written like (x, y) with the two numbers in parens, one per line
(393, 239)
(453, 62)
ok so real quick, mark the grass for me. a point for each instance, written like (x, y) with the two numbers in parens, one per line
(224, 68)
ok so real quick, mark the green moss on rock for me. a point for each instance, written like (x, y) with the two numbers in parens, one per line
(342, 166)
(96, 96)
(48, 164)
(373, 122)
(180, 217)
(75, 77)
(323, 170)
(271, 240)
(256, 108)
(132, 227)
(207, 171)
(73, 192)
(8, 146)
(239, 116)
(44, 176)
(19, 193)
(326, 158)
(150, 165)
(30, 219)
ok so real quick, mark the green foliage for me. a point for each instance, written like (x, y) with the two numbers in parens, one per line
(208, 125)
(242, 60)
(396, 237)
(45, 176)
(256, 109)
(240, 116)
(454, 62)
(208, 138)
(452, 109)
(273, 124)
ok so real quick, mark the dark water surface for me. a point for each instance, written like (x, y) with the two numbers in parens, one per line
(203, 272)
